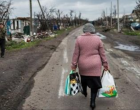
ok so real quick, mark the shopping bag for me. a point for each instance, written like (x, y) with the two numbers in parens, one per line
(67, 84)
(108, 86)
(73, 84)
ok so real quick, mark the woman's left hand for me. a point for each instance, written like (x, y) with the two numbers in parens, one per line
(106, 68)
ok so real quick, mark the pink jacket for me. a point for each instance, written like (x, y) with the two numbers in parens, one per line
(89, 55)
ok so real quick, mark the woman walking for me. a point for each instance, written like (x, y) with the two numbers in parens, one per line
(89, 56)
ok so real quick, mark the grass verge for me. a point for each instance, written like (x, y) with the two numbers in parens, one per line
(132, 33)
(12, 45)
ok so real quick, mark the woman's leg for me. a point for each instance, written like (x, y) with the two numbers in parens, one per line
(84, 89)
(93, 97)
(84, 85)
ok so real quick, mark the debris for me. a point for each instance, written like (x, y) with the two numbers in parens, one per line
(132, 29)
(53, 35)
(27, 38)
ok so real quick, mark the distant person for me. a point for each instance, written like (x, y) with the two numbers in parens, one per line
(55, 27)
(89, 55)
(2, 39)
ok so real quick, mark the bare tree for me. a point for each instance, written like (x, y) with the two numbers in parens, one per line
(5, 10)
(71, 13)
(114, 11)
(80, 14)
(103, 14)
(58, 14)
(66, 20)
(75, 19)
(43, 19)
(137, 11)
(52, 16)
(71, 16)
(46, 21)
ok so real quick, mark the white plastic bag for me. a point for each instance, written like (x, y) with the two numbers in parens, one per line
(108, 86)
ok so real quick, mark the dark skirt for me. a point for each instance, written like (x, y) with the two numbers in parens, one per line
(93, 82)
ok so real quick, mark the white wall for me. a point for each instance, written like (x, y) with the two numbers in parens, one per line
(18, 26)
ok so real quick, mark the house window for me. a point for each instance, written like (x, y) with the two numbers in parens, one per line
(17, 24)
(13, 24)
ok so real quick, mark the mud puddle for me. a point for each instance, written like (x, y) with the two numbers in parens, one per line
(131, 48)
(101, 36)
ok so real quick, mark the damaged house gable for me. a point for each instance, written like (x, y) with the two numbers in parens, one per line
(18, 24)
(136, 15)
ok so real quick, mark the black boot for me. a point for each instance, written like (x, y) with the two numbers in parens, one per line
(92, 101)
(93, 98)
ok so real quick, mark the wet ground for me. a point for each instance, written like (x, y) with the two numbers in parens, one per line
(128, 44)
(124, 43)
(127, 47)
(101, 36)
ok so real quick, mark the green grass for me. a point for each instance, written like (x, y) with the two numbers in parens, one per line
(136, 33)
(12, 45)
(59, 32)
(63, 30)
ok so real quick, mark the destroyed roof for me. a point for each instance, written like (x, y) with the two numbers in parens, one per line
(127, 16)
(23, 18)
(136, 11)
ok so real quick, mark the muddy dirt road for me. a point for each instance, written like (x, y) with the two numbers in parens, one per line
(19, 67)
(47, 92)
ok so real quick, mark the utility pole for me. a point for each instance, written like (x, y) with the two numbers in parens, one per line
(41, 8)
(31, 22)
(111, 15)
(34, 23)
(124, 18)
(106, 18)
(118, 16)
(43, 14)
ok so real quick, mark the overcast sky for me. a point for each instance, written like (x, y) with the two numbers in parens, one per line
(90, 9)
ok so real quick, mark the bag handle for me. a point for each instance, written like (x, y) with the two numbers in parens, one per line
(71, 72)
(104, 71)
(74, 71)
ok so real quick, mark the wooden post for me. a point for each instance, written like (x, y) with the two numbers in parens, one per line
(111, 16)
(118, 16)
(31, 26)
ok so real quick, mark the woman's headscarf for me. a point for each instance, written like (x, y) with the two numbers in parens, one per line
(89, 28)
